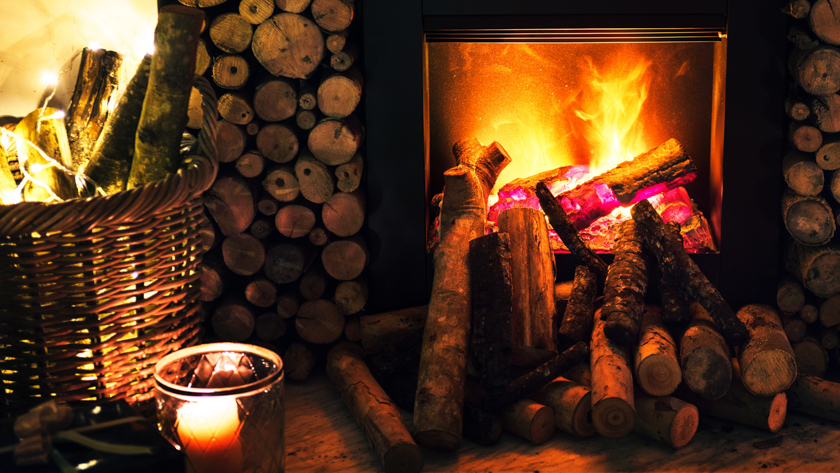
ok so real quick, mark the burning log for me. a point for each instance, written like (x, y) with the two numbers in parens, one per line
(673, 259)
(567, 232)
(381, 330)
(613, 413)
(815, 396)
(530, 420)
(532, 278)
(576, 325)
(440, 388)
(768, 365)
(492, 308)
(808, 219)
(704, 356)
(624, 290)
(373, 410)
(288, 45)
(572, 405)
(657, 370)
(667, 419)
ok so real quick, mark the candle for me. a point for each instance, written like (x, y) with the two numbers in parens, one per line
(208, 429)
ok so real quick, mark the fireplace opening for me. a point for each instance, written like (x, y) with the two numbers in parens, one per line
(573, 106)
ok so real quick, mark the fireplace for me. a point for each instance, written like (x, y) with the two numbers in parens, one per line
(737, 141)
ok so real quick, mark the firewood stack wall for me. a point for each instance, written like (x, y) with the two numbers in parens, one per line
(809, 297)
(286, 258)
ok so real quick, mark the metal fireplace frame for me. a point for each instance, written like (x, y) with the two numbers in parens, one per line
(747, 268)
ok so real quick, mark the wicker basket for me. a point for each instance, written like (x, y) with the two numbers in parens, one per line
(93, 292)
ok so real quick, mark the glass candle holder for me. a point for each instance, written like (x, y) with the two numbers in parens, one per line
(222, 405)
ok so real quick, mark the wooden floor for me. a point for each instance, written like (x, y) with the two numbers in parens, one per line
(321, 436)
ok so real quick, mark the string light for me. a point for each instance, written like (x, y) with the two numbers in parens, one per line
(49, 78)
(94, 46)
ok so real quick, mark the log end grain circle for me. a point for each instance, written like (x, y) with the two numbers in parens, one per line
(344, 259)
(684, 425)
(231, 33)
(707, 373)
(288, 45)
(662, 375)
(319, 321)
(810, 222)
(613, 417)
(769, 373)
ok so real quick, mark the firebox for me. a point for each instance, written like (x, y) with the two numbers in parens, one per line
(571, 87)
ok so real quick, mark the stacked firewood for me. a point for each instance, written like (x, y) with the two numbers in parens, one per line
(811, 167)
(285, 256)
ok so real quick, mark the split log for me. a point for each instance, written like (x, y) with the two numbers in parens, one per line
(798, 9)
(828, 154)
(816, 267)
(317, 182)
(332, 15)
(307, 95)
(43, 130)
(353, 329)
(802, 173)
(256, 11)
(164, 115)
(816, 397)
(278, 143)
(667, 419)
(285, 262)
(530, 420)
(811, 357)
(344, 213)
(741, 406)
(808, 219)
(233, 321)
(613, 413)
(480, 426)
(767, 361)
(576, 325)
(306, 119)
(231, 33)
(236, 108)
(335, 41)
(231, 204)
(796, 109)
(829, 311)
(657, 370)
(294, 221)
(96, 82)
(345, 259)
(215, 278)
(298, 361)
(790, 297)
(817, 70)
(825, 112)
(704, 356)
(319, 322)
(318, 236)
(795, 329)
(532, 278)
(492, 308)
(344, 60)
(567, 232)
(340, 93)
(824, 22)
(243, 254)
(313, 284)
(351, 296)
(261, 292)
(293, 6)
(288, 45)
(230, 141)
(381, 330)
(674, 260)
(349, 174)
(251, 164)
(335, 141)
(287, 305)
(202, 58)
(270, 327)
(438, 406)
(572, 405)
(276, 99)
(231, 71)
(804, 137)
(281, 184)
(624, 290)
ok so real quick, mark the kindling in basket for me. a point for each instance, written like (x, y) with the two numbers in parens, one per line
(96, 291)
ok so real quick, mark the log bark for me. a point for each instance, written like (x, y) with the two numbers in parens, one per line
(530, 420)
(532, 278)
(288, 45)
(40, 131)
(567, 232)
(790, 297)
(816, 267)
(278, 143)
(339, 93)
(231, 33)
(578, 316)
(802, 173)
(676, 302)
(667, 419)
(811, 357)
(824, 20)
(624, 290)
(164, 115)
(829, 311)
(317, 182)
(335, 41)
(306, 119)
(828, 154)
(809, 220)
(657, 369)
(313, 284)
(768, 365)
(96, 82)
(269, 327)
(332, 15)
(704, 356)
(293, 6)
(805, 137)
(351, 296)
(276, 99)
(349, 174)
(814, 396)
(261, 292)
(230, 141)
(344, 213)
(572, 405)
(825, 112)
(243, 254)
(236, 107)
(285, 262)
(251, 164)
(319, 322)
(231, 204)
(492, 308)
(345, 259)
(233, 321)
(817, 70)
(381, 330)
(438, 407)
(335, 141)
(613, 413)
(256, 11)
(298, 361)
(281, 184)
(675, 261)
(373, 410)
(294, 221)
(287, 305)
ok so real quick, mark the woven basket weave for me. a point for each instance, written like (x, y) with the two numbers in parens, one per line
(93, 292)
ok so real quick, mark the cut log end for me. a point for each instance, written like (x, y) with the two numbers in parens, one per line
(659, 375)
(684, 426)
(613, 417)
(778, 412)
(770, 372)
(707, 373)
